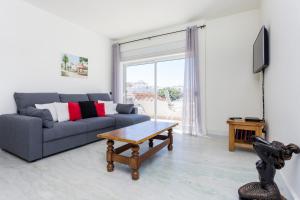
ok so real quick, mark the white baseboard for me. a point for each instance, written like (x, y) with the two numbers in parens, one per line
(288, 191)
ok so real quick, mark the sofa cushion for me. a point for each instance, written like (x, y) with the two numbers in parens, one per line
(110, 107)
(98, 123)
(124, 108)
(88, 109)
(73, 97)
(64, 129)
(135, 110)
(123, 120)
(100, 108)
(50, 107)
(62, 111)
(74, 111)
(44, 114)
(99, 96)
(24, 100)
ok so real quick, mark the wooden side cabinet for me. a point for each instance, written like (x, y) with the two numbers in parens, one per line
(237, 126)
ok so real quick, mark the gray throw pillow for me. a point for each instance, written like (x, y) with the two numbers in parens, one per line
(124, 108)
(44, 114)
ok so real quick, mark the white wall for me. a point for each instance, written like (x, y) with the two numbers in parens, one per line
(231, 87)
(282, 81)
(31, 44)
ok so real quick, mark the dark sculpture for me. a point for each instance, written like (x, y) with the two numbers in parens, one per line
(272, 157)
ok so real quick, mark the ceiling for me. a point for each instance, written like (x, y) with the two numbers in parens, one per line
(120, 18)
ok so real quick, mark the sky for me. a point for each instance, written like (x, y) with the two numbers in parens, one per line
(169, 73)
(72, 58)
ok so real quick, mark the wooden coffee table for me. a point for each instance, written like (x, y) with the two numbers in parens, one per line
(134, 136)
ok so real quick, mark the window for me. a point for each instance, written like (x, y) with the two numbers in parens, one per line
(156, 87)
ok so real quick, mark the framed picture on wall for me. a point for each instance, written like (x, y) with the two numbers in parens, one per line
(74, 66)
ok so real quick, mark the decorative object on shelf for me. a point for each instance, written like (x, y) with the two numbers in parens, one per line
(273, 156)
(253, 119)
(241, 133)
(235, 118)
(74, 66)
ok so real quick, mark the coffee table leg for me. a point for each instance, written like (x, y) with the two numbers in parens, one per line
(134, 162)
(151, 143)
(109, 155)
(170, 135)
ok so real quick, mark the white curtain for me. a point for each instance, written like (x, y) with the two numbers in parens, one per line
(191, 119)
(116, 76)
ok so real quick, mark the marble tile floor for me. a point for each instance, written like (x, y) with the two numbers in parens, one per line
(199, 168)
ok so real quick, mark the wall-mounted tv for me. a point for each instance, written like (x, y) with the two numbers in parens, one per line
(261, 51)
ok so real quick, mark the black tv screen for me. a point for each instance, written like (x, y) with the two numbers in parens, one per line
(261, 51)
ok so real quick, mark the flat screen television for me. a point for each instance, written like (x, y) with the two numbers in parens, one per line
(261, 51)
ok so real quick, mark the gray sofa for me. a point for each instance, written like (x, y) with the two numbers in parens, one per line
(26, 138)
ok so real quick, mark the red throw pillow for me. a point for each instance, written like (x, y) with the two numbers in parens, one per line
(100, 108)
(74, 111)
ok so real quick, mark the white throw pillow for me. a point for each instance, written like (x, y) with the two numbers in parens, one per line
(62, 111)
(50, 107)
(110, 107)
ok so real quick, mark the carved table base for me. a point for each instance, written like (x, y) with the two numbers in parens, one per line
(134, 162)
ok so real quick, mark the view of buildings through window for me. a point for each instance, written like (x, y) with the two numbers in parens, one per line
(156, 88)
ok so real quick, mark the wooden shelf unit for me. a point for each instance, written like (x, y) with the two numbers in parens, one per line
(234, 125)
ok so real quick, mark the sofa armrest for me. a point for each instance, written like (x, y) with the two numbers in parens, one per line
(22, 136)
(135, 110)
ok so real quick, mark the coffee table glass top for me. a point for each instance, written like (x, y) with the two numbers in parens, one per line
(138, 133)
